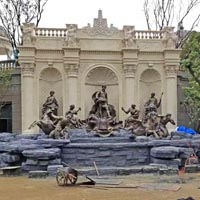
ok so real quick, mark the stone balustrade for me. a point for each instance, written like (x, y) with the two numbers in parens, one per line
(56, 32)
(50, 32)
(148, 34)
(7, 64)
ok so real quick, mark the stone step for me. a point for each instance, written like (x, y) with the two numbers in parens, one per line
(101, 140)
(144, 169)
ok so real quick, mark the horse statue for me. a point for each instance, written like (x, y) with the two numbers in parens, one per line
(54, 126)
(147, 127)
(47, 123)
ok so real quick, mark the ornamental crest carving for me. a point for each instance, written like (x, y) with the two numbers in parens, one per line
(100, 27)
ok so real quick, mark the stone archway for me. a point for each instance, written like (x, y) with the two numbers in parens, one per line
(94, 80)
(50, 79)
(150, 81)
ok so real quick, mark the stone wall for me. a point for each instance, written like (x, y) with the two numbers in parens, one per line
(114, 154)
(182, 81)
(13, 96)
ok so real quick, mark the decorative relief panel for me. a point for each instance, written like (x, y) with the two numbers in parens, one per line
(72, 69)
(100, 76)
(171, 70)
(129, 69)
(27, 69)
(100, 27)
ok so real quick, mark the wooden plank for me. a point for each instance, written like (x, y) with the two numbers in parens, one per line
(103, 181)
(113, 186)
(95, 166)
(130, 186)
(10, 168)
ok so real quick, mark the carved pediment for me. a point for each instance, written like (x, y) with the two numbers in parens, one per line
(100, 27)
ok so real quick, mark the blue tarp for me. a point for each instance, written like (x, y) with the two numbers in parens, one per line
(186, 130)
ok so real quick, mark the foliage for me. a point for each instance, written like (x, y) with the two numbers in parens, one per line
(190, 61)
(5, 83)
(13, 13)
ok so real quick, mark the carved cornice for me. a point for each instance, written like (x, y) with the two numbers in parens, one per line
(25, 48)
(49, 51)
(71, 69)
(101, 52)
(27, 69)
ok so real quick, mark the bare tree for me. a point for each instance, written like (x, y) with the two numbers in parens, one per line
(162, 13)
(13, 13)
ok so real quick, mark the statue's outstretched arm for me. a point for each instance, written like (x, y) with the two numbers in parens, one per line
(125, 110)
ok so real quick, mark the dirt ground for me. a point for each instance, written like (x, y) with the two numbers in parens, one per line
(153, 187)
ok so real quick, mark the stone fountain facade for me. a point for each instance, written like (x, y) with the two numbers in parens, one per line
(75, 62)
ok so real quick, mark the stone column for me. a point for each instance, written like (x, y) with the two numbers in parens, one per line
(72, 73)
(129, 73)
(27, 96)
(171, 87)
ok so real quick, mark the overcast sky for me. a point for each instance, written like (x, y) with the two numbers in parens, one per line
(60, 12)
(57, 13)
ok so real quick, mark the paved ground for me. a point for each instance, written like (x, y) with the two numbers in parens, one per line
(155, 188)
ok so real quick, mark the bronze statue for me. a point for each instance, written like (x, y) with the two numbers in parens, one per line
(153, 125)
(51, 103)
(68, 122)
(134, 115)
(100, 99)
(70, 114)
(148, 126)
(152, 104)
(102, 117)
(48, 122)
(164, 120)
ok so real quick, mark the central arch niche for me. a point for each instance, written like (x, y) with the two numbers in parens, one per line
(94, 80)
(50, 79)
(150, 81)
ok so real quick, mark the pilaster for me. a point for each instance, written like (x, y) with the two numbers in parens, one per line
(171, 89)
(27, 70)
(72, 77)
(130, 62)
(129, 76)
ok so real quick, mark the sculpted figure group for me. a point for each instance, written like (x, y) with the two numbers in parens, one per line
(102, 118)
(152, 123)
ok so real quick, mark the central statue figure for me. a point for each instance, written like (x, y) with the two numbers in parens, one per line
(101, 108)
(102, 117)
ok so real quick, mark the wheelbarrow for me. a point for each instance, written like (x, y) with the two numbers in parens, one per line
(69, 176)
